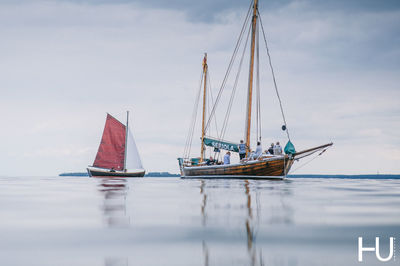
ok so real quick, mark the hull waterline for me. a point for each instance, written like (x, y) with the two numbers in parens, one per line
(108, 173)
(271, 168)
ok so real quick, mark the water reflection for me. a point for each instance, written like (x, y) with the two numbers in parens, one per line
(251, 226)
(203, 204)
(300, 222)
(205, 253)
(204, 219)
(253, 204)
(114, 191)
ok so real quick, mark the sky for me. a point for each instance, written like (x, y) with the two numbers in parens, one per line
(65, 64)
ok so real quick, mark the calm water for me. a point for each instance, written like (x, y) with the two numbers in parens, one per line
(168, 221)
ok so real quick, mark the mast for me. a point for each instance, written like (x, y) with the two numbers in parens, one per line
(205, 68)
(126, 138)
(250, 91)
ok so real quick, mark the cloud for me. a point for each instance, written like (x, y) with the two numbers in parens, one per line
(66, 63)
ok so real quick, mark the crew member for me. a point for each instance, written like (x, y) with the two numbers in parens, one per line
(271, 149)
(258, 150)
(277, 149)
(227, 158)
(242, 150)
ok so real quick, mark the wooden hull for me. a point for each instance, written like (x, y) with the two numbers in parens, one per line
(99, 172)
(270, 168)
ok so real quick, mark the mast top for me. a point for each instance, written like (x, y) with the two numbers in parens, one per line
(255, 6)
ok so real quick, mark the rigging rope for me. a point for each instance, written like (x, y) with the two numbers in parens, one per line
(227, 114)
(309, 160)
(208, 101)
(229, 67)
(273, 76)
(215, 118)
(188, 144)
(212, 100)
(224, 82)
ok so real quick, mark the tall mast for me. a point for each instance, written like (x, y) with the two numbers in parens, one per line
(250, 91)
(126, 138)
(205, 68)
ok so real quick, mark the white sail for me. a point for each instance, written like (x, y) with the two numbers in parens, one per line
(132, 155)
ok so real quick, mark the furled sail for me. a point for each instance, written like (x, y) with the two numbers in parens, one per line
(112, 147)
(132, 155)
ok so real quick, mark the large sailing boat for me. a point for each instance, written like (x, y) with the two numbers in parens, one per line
(265, 166)
(117, 155)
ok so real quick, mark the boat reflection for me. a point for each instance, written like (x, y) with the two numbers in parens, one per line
(250, 229)
(204, 220)
(203, 204)
(261, 204)
(114, 191)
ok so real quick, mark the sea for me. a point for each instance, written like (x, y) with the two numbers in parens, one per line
(303, 220)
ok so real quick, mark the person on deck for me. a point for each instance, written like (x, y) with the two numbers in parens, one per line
(210, 161)
(277, 149)
(242, 150)
(227, 158)
(250, 155)
(258, 150)
(271, 149)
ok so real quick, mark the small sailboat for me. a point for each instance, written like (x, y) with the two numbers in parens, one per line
(275, 165)
(117, 155)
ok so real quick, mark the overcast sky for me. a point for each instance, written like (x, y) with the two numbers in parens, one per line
(64, 64)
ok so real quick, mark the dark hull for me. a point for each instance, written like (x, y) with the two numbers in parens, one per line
(272, 167)
(95, 173)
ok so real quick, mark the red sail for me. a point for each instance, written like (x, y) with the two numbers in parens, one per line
(112, 147)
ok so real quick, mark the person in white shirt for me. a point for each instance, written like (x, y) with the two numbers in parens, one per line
(277, 149)
(227, 158)
(258, 150)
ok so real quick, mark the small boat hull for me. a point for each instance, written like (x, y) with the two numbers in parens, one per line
(100, 172)
(269, 168)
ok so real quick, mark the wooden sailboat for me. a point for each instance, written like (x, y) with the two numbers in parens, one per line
(117, 155)
(267, 166)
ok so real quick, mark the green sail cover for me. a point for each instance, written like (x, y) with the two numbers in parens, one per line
(221, 144)
(289, 148)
